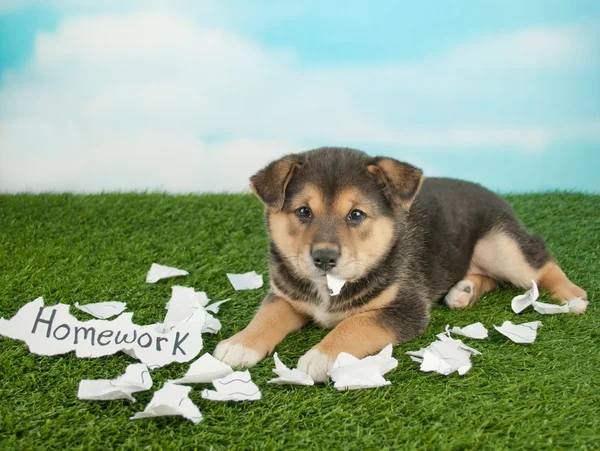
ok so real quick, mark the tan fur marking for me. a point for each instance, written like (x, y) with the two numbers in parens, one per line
(377, 243)
(272, 322)
(310, 196)
(385, 298)
(291, 238)
(482, 285)
(349, 199)
(554, 280)
(359, 335)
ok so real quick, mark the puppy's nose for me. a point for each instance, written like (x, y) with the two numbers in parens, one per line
(325, 259)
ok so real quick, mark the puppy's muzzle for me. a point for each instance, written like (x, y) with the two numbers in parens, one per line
(325, 259)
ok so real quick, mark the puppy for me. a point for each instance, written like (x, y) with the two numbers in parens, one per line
(401, 242)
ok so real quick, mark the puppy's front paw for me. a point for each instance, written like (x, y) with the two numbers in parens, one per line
(234, 353)
(316, 364)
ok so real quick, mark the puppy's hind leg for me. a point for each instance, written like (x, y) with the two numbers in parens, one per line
(469, 290)
(510, 254)
(554, 280)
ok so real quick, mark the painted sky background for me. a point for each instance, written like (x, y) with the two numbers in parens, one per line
(189, 96)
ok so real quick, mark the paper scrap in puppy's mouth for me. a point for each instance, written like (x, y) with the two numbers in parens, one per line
(335, 284)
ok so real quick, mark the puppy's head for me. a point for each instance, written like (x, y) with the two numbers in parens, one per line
(335, 210)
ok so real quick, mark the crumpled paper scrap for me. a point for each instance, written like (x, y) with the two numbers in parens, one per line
(170, 400)
(445, 356)
(522, 301)
(476, 331)
(287, 376)
(237, 386)
(351, 373)
(102, 310)
(184, 307)
(205, 369)
(520, 333)
(246, 281)
(136, 378)
(158, 272)
(214, 307)
(335, 284)
(188, 306)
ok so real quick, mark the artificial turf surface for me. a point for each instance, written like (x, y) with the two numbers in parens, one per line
(70, 248)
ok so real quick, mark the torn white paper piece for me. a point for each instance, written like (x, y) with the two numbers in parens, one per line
(550, 309)
(334, 284)
(475, 330)
(205, 369)
(201, 299)
(445, 356)
(520, 333)
(522, 301)
(246, 281)
(171, 400)
(184, 307)
(158, 272)
(237, 386)
(211, 324)
(103, 310)
(136, 378)
(350, 373)
(214, 307)
(53, 330)
(287, 376)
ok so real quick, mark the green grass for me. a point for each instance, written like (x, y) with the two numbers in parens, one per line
(70, 248)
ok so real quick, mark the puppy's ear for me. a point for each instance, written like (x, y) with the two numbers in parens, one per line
(401, 182)
(269, 183)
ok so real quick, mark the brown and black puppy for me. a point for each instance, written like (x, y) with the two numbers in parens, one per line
(402, 243)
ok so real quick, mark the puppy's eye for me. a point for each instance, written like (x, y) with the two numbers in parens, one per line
(356, 215)
(304, 212)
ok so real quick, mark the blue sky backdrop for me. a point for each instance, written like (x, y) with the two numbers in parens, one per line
(189, 96)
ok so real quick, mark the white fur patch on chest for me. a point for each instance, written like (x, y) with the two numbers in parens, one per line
(320, 311)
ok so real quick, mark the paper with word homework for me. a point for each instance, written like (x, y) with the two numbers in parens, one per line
(237, 386)
(351, 373)
(158, 272)
(171, 400)
(335, 284)
(102, 310)
(287, 376)
(205, 369)
(246, 281)
(136, 378)
(52, 330)
(519, 333)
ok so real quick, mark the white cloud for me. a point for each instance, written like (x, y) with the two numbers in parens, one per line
(133, 101)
